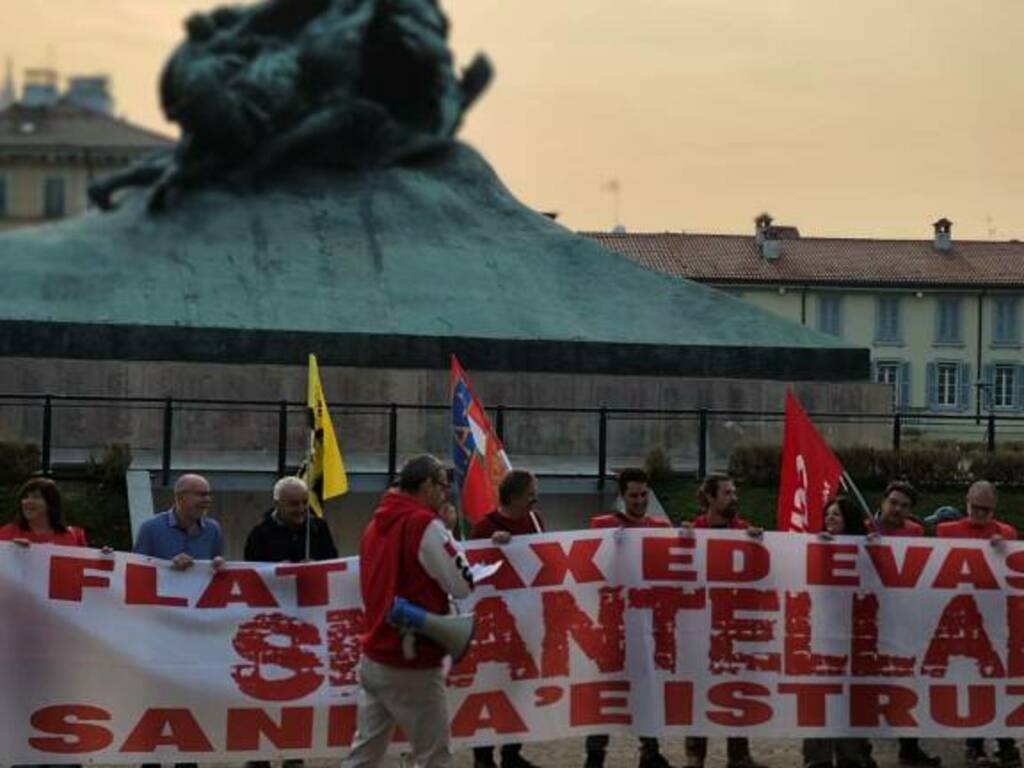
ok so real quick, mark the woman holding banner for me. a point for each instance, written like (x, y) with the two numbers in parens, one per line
(843, 517)
(39, 519)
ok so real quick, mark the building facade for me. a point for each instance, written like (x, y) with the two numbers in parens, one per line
(54, 143)
(943, 318)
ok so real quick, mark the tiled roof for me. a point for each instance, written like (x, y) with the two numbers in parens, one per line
(66, 127)
(822, 260)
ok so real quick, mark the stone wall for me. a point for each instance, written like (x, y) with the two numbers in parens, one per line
(558, 441)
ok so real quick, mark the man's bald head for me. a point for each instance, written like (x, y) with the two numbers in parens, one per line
(191, 497)
(982, 498)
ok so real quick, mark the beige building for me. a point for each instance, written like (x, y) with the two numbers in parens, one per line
(942, 317)
(54, 143)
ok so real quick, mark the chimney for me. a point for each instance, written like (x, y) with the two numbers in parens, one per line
(766, 238)
(943, 235)
(90, 92)
(40, 88)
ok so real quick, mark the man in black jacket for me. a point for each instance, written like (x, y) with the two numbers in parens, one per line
(281, 536)
(288, 533)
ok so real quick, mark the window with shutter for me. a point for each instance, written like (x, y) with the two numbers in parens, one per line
(947, 327)
(1004, 386)
(830, 315)
(947, 384)
(889, 373)
(887, 319)
(1004, 320)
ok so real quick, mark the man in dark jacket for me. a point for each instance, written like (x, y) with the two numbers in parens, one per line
(281, 536)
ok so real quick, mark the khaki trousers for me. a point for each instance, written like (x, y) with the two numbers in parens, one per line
(412, 699)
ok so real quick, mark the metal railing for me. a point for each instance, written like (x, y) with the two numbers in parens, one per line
(289, 418)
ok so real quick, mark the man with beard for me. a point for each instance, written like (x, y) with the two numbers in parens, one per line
(719, 505)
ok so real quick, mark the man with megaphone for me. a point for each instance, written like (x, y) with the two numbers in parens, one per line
(409, 569)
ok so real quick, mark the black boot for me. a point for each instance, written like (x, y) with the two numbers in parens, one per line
(912, 756)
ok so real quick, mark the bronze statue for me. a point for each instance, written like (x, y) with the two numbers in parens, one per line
(351, 83)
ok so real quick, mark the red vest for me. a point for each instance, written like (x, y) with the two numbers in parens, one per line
(389, 566)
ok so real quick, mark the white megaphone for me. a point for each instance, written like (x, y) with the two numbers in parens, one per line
(452, 633)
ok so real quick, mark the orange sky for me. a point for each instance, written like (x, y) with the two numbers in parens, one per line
(843, 117)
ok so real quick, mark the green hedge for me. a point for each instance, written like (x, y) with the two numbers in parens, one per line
(18, 462)
(933, 465)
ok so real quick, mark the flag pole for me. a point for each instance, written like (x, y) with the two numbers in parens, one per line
(536, 522)
(310, 456)
(308, 534)
(461, 527)
(852, 486)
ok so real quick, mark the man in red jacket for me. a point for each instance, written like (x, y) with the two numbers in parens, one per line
(719, 504)
(406, 552)
(634, 492)
(981, 523)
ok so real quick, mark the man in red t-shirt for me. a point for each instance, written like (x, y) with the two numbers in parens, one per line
(634, 492)
(894, 517)
(517, 512)
(516, 515)
(719, 504)
(981, 523)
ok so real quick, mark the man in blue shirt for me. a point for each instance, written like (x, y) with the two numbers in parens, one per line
(183, 533)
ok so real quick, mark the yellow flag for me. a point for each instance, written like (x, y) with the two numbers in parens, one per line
(324, 470)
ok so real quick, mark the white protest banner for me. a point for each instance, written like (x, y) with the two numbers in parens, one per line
(119, 659)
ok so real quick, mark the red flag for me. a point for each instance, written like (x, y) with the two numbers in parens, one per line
(811, 473)
(479, 457)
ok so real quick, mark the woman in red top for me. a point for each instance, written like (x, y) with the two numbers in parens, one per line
(39, 519)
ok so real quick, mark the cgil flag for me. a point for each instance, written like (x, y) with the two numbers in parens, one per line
(811, 474)
(479, 457)
(324, 469)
